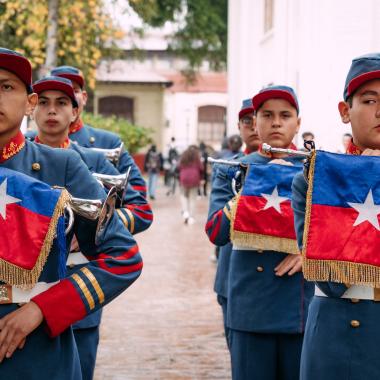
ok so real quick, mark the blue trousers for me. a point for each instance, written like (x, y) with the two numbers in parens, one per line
(152, 184)
(222, 301)
(257, 356)
(87, 341)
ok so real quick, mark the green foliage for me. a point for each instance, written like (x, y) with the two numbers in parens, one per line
(133, 136)
(202, 32)
(86, 33)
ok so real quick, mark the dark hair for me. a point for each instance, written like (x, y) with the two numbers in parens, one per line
(307, 134)
(190, 156)
(350, 99)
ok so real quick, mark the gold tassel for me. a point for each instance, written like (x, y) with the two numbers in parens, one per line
(264, 242)
(341, 272)
(309, 201)
(17, 276)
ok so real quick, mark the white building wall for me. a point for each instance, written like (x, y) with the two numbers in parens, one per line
(309, 48)
(182, 115)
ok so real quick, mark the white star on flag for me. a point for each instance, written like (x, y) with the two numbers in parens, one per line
(368, 211)
(5, 199)
(274, 200)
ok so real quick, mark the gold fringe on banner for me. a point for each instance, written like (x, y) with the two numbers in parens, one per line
(342, 272)
(24, 278)
(309, 201)
(264, 242)
(258, 241)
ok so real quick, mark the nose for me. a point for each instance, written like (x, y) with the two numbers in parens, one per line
(276, 121)
(52, 110)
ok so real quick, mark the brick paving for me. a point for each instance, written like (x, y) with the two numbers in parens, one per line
(168, 325)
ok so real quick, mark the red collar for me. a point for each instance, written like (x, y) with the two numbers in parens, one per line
(270, 154)
(63, 145)
(76, 126)
(13, 147)
(353, 149)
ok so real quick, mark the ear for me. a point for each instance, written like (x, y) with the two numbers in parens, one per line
(85, 97)
(238, 125)
(31, 104)
(74, 115)
(298, 124)
(344, 110)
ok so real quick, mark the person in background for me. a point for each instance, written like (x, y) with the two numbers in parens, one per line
(173, 157)
(346, 141)
(204, 157)
(190, 175)
(153, 165)
(306, 136)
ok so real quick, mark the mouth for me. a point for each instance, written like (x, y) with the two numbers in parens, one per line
(276, 134)
(51, 122)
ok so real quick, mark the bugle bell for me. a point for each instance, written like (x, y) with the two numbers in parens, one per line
(238, 180)
(119, 181)
(112, 155)
(92, 209)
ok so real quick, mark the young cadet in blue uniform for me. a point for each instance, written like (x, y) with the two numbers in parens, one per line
(56, 109)
(90, 137)
(342, 333)
(267, 294)
(41, 328)
(251, 139)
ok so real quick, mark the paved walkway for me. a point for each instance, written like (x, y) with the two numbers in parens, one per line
(168, 324)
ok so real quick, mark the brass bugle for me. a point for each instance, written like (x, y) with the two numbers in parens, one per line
(119, 181)
(214, 161)
(112, 155)
(92, 209)
(269, 149)
(239, 175)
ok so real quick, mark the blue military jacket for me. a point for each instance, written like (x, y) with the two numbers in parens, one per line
(97, 163)
(50, 352)
(258, 300)
(333, 347)
(222, 269)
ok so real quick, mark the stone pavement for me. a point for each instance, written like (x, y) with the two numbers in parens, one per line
(168, 325)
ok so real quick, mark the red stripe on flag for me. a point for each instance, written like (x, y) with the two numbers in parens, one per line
(252, 218)
(332, 236)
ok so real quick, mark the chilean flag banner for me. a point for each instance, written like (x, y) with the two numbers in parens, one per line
(262, 217)
(342, 231)
(29, 216)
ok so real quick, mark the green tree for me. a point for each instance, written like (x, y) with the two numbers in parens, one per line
(133, 136)
(202, 28)
(84, 32)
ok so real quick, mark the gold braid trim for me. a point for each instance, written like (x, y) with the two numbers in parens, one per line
(341, 272)
(309, 200)
(24, 278)
(233, 203)
(265, 242)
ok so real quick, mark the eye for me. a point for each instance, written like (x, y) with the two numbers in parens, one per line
(6, 87)
(42, 102)
(369, 101)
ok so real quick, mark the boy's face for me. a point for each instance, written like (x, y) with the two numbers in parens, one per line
(81, 96)
(54, 112)
(248, 131)
(364, 115)
(277, 123)
(15, 103)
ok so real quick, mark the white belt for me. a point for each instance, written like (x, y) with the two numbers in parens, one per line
(355, 291)
(12, 294)
(76, 258)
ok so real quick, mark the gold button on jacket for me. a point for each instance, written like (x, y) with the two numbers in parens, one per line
(260, 269)
(355, 323)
